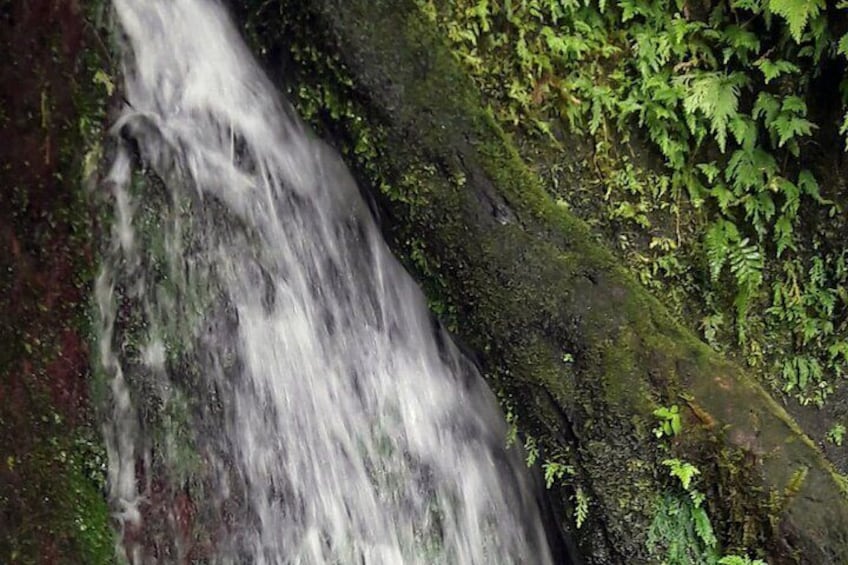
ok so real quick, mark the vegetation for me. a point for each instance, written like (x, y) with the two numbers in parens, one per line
(836, 434)
(52, 460)
(739, 217)
(565, 337)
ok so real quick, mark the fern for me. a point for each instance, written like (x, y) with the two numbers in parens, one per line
(740, 42)
(719, 239)
(676, 537)
(746, 264)
(767, 107)
(581, 511)
(555, 471)
(740, 560)
(773, 69)
(703, 526)
(532, 449)
(842, 46)
(791, 121)
(797, 13)
(784, 235)
(716, 96)
(748, 170)
(682, 470)
(723, 99)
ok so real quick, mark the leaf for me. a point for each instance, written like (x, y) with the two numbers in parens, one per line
(100, 77)
(670, 423)
(553, 472)
(751, 5)
(788, 127)
(749, 169)
(773, 69)
(717, 242)
(724, 197)
(703, 527)
(684, 471)
(783, 235)
(582, 509)
(741, 40)
(809, 186)
(746, 264)
(710, 170)
(796, 13)
(842, 48)
(766, 106)
(716, 96)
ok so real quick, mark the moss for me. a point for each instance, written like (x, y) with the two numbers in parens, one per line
(524, 280)
(52, 462)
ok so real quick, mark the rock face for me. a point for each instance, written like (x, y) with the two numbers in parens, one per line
(52, 508)
(581, 353)
(579, 350)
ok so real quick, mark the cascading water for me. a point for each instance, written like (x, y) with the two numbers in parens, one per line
(275, 380)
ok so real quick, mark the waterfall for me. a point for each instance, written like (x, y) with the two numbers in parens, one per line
(275, 389)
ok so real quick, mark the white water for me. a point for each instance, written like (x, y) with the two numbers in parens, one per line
(265, 352)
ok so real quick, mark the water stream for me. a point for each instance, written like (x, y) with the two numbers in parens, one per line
(276, 389)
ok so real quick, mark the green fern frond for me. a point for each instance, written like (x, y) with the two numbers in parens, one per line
(746, 264)
(797, 14)
(716, 96)
(703, 527)
(773, 69)
(581, 511)
(718, 242)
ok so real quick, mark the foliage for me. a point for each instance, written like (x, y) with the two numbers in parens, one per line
(722, 91)
(740, 560)
(836, 434)
(681, 532)
(682, 470)
(581, 511)
(555, 471)
(554, 465)
(670, 424)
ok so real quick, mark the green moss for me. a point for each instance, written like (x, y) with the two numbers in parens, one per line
(52, 461)
(57, 498)
(523, 280)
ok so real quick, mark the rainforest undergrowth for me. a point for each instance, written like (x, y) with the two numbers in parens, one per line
(739, 218)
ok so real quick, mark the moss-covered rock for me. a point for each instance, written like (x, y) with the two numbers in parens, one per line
(582, 353)
(52, 462)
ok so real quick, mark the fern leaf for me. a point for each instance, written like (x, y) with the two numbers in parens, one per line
(741, 40)
(724, 197)
(746, 264)
(750, 5)
(716, 96)
(766, 106)
(783, 234)
(773, 69)
(796, 13)
(749, 169)
(744, 130)
(809, 186)
(788, 127)
(582, 510)
(718, 242)
(842, 48)
(682, 470)
(703, 527)
(710, 170)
